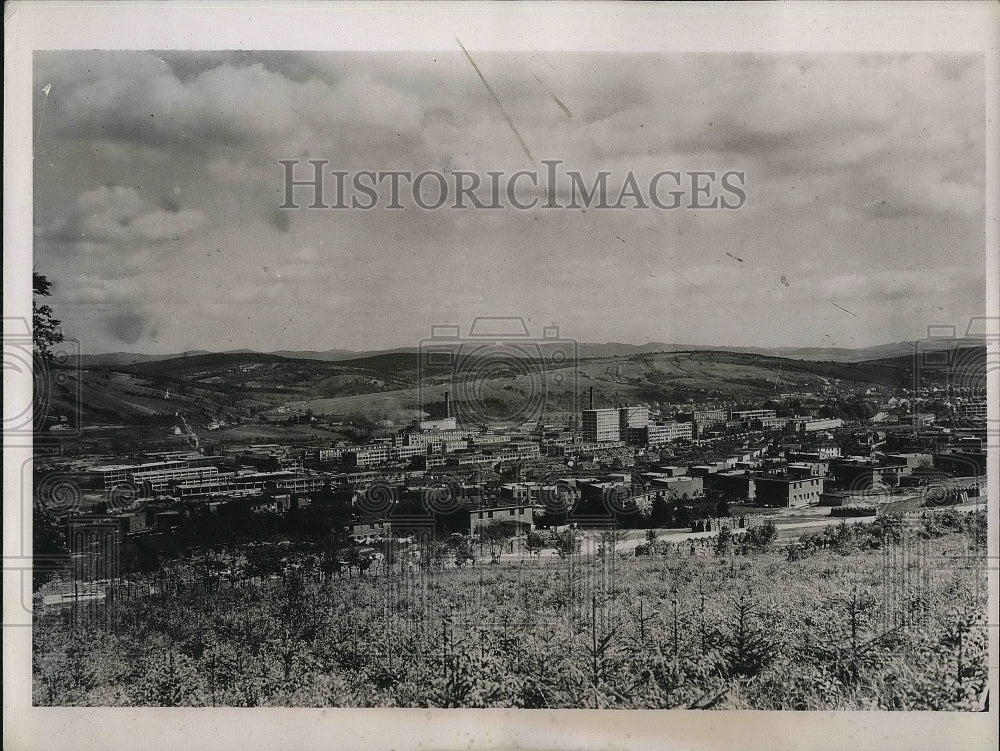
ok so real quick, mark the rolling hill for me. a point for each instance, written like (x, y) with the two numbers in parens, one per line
(401, 384)
(585, 350)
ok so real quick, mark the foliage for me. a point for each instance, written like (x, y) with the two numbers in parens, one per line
(758, 538)
(827, 631)
(567, 542)
(45, 329)
(495, 535)
(534, 543)
(48, 545)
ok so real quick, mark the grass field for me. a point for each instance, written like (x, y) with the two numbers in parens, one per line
(388, 386)
(900, 626)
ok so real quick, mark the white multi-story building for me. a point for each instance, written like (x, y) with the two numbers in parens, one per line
(601, 425)
(632, 417)
(657, 435)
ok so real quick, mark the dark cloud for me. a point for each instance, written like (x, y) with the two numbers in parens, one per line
(128, 326)
(280, 219)
(171, 204)
(867, 163)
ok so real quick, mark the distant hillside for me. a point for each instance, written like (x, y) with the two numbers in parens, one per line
(398, 384)
(585, 350)
(388, 385)
(337, 355)
(119, 359)
(961, 366)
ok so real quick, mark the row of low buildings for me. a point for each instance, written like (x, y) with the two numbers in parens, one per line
(633, 424)
(821, 477)
(765, 477)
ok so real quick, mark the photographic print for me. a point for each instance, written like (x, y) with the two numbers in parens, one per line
(512, 379)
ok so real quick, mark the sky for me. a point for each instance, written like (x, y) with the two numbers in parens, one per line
(158, 183)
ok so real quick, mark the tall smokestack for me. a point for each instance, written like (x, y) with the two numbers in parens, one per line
(447, 404)
(591, 397)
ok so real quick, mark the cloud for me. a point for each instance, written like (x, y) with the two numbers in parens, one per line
(280, 219)
(119, 215)
(128, 326)
(927, 196)
(861, 171)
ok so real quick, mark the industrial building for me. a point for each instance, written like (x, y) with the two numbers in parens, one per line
(601, 425)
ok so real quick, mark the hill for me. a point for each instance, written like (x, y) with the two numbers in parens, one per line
(585, 350)
(399, 385)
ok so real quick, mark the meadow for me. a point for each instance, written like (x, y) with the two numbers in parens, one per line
(890, 615)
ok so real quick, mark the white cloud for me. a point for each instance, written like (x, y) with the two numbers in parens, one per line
(864, 175)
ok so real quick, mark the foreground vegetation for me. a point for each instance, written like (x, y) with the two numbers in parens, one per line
(883, 616)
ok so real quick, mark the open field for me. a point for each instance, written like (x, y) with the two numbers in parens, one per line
(210, 386)
(850, 626)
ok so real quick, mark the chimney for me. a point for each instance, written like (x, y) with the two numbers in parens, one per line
(447, 404)
(591, 397)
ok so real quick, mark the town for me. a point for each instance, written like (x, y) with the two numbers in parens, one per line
(688, 469)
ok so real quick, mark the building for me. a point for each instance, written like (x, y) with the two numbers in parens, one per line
(679, 487)
(601, 425)
(369, 456)
(736, 485)
(298, 483)
(838, 498)
(160, 480)
(108, 476)
(917, 419)
(820, 453)
(769, 423)
(706, 416)
(445, 423)
(787, 492)
(428, 461)
(662, 433)
(513, 451)
(519, 514)
(808, 469)
(325, 454)
(247, 484)
(365, 529)
(972, 410)
(810, 425)
(632, 417)
(962, 463)
(748, 415)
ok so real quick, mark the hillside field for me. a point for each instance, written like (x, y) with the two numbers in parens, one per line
(870, 620)
(399, 385)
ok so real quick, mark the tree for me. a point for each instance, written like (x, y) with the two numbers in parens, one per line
(534, 543)
(45, 330)
(147, 560)
(724, 541)
(749, 647)
(263, 560)
(759, 537)
(49, 544)
(494, 535)
(461, 546)
(608, 542)
(659, 512)
(566, 542)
